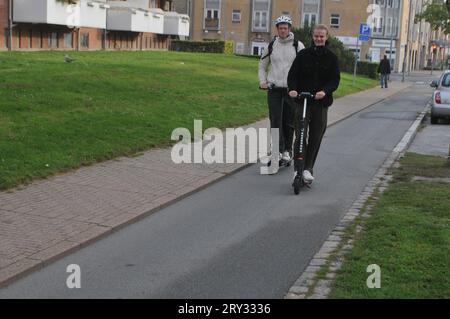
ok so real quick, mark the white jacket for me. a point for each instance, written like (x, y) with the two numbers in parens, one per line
(275, 68)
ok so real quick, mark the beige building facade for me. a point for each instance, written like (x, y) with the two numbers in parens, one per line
(250, 25)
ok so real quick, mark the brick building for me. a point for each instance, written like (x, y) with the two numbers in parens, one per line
(90, 24)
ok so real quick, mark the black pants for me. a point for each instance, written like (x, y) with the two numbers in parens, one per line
(316, 122)
(281, 114)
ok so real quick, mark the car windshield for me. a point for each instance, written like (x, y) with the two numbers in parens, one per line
(446, 80)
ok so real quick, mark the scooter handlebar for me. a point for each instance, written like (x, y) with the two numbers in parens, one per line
(305, 95)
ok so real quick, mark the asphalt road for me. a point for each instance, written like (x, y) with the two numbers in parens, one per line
(246, 236)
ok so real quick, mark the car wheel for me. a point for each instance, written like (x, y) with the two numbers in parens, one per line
(434, 119)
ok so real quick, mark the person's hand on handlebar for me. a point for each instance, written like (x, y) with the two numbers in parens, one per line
(320, 95)
(264, 86)
(293, 94)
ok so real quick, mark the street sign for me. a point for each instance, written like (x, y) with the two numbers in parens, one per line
(364, 32)
(364, 35)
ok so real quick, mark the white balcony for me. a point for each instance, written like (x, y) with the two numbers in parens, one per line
(80, 13)
(93, 14)
(127, 19)
(156, 21)
(176, 24)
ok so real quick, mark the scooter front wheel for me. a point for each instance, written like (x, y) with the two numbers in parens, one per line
(298, 183)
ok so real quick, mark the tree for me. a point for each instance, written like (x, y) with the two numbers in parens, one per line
(437, 14)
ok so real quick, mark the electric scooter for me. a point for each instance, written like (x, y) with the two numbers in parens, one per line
(299, 182)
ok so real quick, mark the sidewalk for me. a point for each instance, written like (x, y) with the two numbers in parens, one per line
(49, 219)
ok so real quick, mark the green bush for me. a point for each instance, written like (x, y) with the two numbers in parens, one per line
(257, 57)
(367, 68)
(198, 46)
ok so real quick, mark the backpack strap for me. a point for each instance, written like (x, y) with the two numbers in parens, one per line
(270, 48)
(296, 46)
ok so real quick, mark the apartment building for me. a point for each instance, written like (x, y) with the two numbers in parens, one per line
(249, 24)
(389, 20)
(89, 24)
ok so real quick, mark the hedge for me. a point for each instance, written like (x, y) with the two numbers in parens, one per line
(367, 68)
(198, 46)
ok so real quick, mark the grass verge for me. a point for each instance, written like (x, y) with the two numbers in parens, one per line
(407, 235)
(56, 116)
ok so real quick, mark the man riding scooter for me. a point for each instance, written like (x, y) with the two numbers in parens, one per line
(316, 71)
(274, 65)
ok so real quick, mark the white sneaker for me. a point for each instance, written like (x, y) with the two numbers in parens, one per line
(286, 157)
(307, 176)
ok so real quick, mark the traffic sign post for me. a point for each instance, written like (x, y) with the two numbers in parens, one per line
(364, 35)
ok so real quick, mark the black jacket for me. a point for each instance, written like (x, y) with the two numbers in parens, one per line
(313, 70)
(384, 67)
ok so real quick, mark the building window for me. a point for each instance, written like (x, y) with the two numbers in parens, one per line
(378, 25)
(53, 40)
(309, 19)
(236, 16)
(258, 48)
(30, 39)
(68, 40)
(212, 14)
(6, 38)
(286, 13)
(20, 39)
(261, 15)
(84, 40)
(389, 26)
(260, 20)
(41, 39)
(240, 48)
(335, 21)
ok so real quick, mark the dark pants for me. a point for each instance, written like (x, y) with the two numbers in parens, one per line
(316, 121)
(384, 80)
(281, 114)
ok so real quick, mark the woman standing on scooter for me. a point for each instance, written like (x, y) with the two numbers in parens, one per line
(315, 70)
(274, 66)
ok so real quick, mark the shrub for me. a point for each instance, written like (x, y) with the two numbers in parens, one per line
(198, 46)
(368, 68)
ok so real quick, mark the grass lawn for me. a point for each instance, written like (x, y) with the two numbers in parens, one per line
(408, 236)
(56, 116)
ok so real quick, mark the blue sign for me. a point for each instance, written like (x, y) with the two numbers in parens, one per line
(364, 32)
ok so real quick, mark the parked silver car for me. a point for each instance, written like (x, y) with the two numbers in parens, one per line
(441, 98)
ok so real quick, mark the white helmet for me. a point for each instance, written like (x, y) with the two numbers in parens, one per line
(283, 19)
